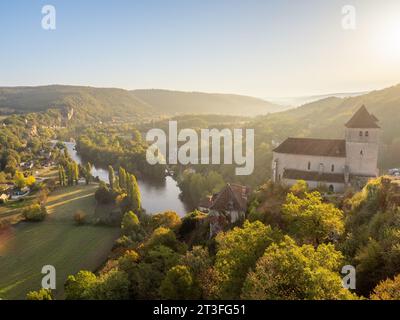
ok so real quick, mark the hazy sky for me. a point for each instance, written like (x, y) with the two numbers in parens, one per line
(254, 47)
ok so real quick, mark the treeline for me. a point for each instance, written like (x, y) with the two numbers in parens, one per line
(122, 190)
(107, 147)
(195, 186)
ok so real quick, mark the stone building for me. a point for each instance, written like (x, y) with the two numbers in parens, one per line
(226, 207)
(334, 164)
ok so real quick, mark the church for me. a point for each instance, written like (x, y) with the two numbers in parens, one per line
(334, 164)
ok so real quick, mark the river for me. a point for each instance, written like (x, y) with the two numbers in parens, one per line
(156, 197)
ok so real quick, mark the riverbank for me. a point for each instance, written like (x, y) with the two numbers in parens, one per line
(156, 196)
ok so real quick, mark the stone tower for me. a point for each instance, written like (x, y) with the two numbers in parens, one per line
(362, 144)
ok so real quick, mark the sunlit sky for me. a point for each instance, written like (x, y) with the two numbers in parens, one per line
(255, 47)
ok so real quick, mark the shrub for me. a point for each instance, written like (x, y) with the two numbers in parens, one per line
(34, 212)
(42, 294)
(80, 217)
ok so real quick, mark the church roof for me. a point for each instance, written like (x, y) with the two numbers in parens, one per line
(313, 176)
(362, 119)
(313, 147)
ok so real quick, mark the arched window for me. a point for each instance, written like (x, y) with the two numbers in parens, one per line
(309, 165)
(361, 133)
(361, 153)
(366, 133)
(333, 168)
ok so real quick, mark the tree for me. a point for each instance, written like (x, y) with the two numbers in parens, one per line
(34, 212)
(165, 237)
(167, 219)
(113, 285)
(152, 270)
(131, 226)
(75, 173)
(178, 284)
(88, 172)
(122, 178)
(134, 193)
(111, 178)
(79, 287)
(309, 220)
(42, 294)
(30, 181)
(103, 195)
(387, 290)
(19, 180)
(289, 272)
(299, 189)
(61, 175)
(238, 251)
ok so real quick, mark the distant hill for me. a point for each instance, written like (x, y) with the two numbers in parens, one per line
(104, 103)
(177, 102)
(87, 102)
(299, 101)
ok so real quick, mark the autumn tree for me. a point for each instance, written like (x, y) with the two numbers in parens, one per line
(237, 252)
(387, 290)
(178, 284)
(134, 193)
(310, 220)
(42, 294)
(287, 271)
(122, 178)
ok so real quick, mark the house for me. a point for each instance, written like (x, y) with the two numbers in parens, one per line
(26, 165)
(4, 197)
(226, 207)
(335, 164)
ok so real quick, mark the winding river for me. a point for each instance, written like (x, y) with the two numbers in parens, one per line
(156, 197)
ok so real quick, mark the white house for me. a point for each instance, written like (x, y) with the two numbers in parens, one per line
(335, 164)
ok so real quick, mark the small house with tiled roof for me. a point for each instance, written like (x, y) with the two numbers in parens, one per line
(335, 164)
(226, 207)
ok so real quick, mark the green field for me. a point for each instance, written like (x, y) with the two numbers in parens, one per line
(27, 247)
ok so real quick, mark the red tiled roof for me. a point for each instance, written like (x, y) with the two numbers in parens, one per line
(313, 147)
(232, 197)
(362, 119)
(313, 176)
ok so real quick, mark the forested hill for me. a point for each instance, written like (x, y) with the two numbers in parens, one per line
(327, 117)
(87, 102)
(178, 102)
(107, 103)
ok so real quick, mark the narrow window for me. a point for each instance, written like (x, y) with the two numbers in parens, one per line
(366, 133)
(331, 188)
(309, 166)
(361, 133)
(333, 168)
(361, 153)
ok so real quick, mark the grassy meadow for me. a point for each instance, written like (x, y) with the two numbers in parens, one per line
(25, 248)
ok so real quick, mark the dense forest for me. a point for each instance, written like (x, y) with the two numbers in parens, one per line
(295, 253)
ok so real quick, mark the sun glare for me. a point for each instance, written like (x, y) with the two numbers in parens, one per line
(388, 40)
